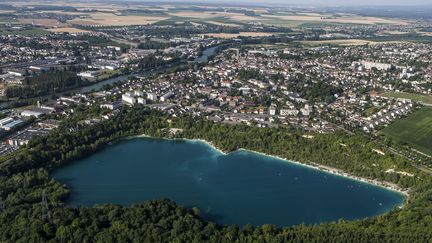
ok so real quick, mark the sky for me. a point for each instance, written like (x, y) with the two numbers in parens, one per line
(324, 2)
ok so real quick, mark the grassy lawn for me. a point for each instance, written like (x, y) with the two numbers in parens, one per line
(173, 20)
(415, 130)
(427, 99)
(321, 24)
(281, 22)
(371, 110)
(106, 74)
(30, 32)
(5, 20)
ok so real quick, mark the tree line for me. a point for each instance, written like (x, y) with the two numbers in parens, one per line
(45, 83)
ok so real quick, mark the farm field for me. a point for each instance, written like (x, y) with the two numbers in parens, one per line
(222, 23)
(347, 42)
(342, 42)
(68, 30)
(32, 32)
(109, 19)
(122, 15)
(43, 22)
(7, 20)
(349, 19)
(230, 36)
(415, 130)
(426, 99)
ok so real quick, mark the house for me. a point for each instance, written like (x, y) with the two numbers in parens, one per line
(30, 113)
(166, 96)
(112, 105)
(49, 124)
(24, 137)
(89, 74)
(152, 96)
(141, 101)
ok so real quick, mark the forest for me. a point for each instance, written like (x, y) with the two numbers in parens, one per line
(25, 178)
(45, 83)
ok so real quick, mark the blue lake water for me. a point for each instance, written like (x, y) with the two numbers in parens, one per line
(239, 188)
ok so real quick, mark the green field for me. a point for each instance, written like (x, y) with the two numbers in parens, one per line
(31, 32)
(106, 74)
(426, 99)
(415, 130)
(5, 20)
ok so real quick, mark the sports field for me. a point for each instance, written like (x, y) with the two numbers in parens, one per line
(415, 130)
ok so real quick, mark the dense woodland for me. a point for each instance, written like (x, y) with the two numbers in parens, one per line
(45, 83)
(24, 177)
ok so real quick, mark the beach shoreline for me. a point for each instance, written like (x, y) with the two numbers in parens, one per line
(323, 168)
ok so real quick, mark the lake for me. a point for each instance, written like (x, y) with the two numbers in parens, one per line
(239, 188)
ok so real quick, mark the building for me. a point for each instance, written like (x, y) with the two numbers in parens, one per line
(18, 73)
(112, 105)
(6, 120)
(89, 74)
(288, 112)
(272, 111)
(37, 68)
(152, 96)
(306, 110)
(23, 138)
(49, 124)
(104, 64)
(117, 48)
(166, 96)
(141, 101)
(138, 93)
(11, 125)
(380, 66)
(130, 100)
(30, 113)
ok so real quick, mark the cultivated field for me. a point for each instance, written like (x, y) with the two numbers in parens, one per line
(415, 130)
(68, 30)
(206, 14)
(424, 33)
(348, 19)
(230, 36)
(43, 22)
(6, 11)
(109, 19)
(342, 42)
(222, 23)
(110, 14)
(231, 18)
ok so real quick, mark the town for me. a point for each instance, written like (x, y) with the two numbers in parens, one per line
(318, 89)
(353, 78)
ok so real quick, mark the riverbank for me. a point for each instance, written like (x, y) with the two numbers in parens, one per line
(331, 170)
